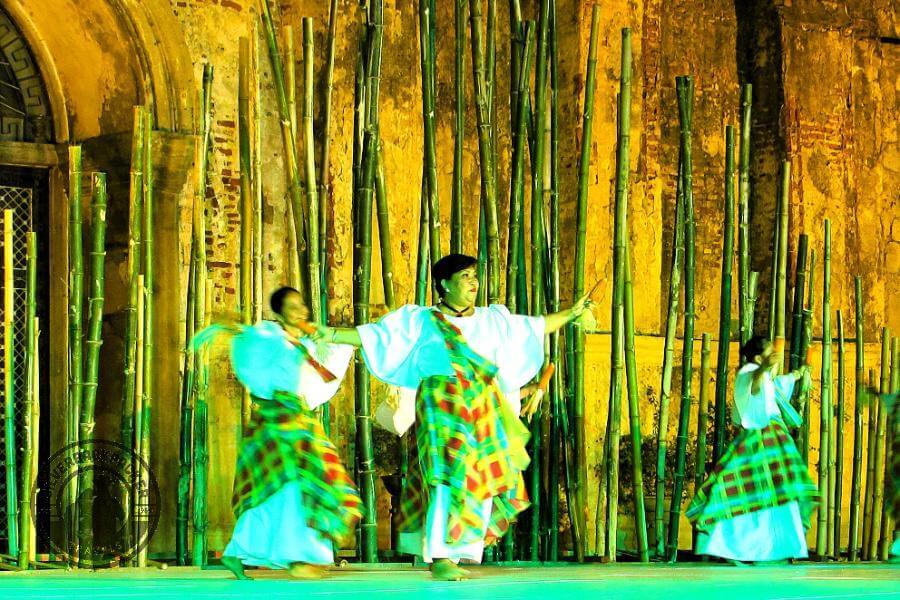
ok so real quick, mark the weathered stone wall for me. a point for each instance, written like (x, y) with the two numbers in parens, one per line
(825, 81)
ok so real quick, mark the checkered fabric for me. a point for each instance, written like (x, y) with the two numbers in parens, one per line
(761, 469)
(285, 442)
(468, 439)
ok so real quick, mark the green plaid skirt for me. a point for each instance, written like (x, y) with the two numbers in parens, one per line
(473, 444)
(285, 442)
(761, 469)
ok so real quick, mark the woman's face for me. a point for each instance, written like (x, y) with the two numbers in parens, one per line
(768, 356)
(462, 287)
(293, 311)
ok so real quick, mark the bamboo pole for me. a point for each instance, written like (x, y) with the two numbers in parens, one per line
(12, 507)
(76, 305)
(839, 442)
(486, 150)
(860, 390)
(137, 521)
(324, 188)
(825, 508)
(459, 83)
(776, 252)
(26, 528)
(868, 512)
(725, 300)
(256, 178)
(702, 417)
(662, 425)
(149, 315)
(362, 271)
(296, 207)
(780, 295)
(290, 68)
(880, 441)
(887, 517)
(577, 499)
(93, 343)
(517, 185)
(384, 234)
(426, 47)
(805, 341)
(745, 316)
(35, 435)
(312, 192)
(797, 314)
(186, 423)
(752, 286)
(247, 201)
(685, 90)
(135, 207)
(200, 457)
(634, 413)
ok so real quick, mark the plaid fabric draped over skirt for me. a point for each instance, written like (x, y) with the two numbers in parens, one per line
(285, 442)
(468, 439)
(761, 469)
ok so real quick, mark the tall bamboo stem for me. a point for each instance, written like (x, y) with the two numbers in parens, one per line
(384, 234)
(256, 178)
(247, 200)
(702, 416)
(426, 21)
(853, 542)
(26, 528)
(665, 396)
(880, 441)
(797, 314)
(12, 506)
(825, 508)
(459, 82)
(76, 304)
(780, 276)
(805, 342)
(186, 423)
(324, 188)
(725, 300)
(137, 521)
(868, 512)
(887, 517)
(685, 89)
(839, 441)
(745, 314)
(312, 191)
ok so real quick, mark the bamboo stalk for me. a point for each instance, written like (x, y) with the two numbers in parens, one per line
(312, 193)
(805, 341)
(186, 423)
(247, 200)
(426, 20)
(745, 316)
(880, 441)
(825, 508)
(459, 83)
(853, 541)
(35, 436)
(135, 207)
(868, 512)
(776, 252)
(362, 272)
(290, 67)
(797, 316)
(324, 188)
(137, 521)
(384, 234)
(637, 473)
(577, 497)
(780, 295)
(839, 442)
(76, 304)
(26, 528)
(93, 343)
(702, 417)
(256, 179)
(422, 271)
(296, 207)
(149, 314)
(12, 507)
(662, 425)
(200, 381)
(517, 185)
(685, 88)
(887, 517)
(752, 286)
(725, 300)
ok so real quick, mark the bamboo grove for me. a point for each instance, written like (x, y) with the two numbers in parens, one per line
(526, 278)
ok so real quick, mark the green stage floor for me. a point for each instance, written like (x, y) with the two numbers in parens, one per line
(581, 582)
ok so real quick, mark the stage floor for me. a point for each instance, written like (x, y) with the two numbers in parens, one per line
(577, 582)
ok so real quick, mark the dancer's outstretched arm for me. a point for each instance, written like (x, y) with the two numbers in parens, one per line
(555, 321)
(339, 335)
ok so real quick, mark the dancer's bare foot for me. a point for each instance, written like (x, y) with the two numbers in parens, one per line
(235, 565)
(300, 570)
(444, 570)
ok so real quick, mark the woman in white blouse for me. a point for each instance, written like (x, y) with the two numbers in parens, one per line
(468, 365)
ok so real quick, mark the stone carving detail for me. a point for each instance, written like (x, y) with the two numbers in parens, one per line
(24, 109)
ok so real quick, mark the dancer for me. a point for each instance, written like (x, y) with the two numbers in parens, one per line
(292, 497)
(755, 505)
(468, 364)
